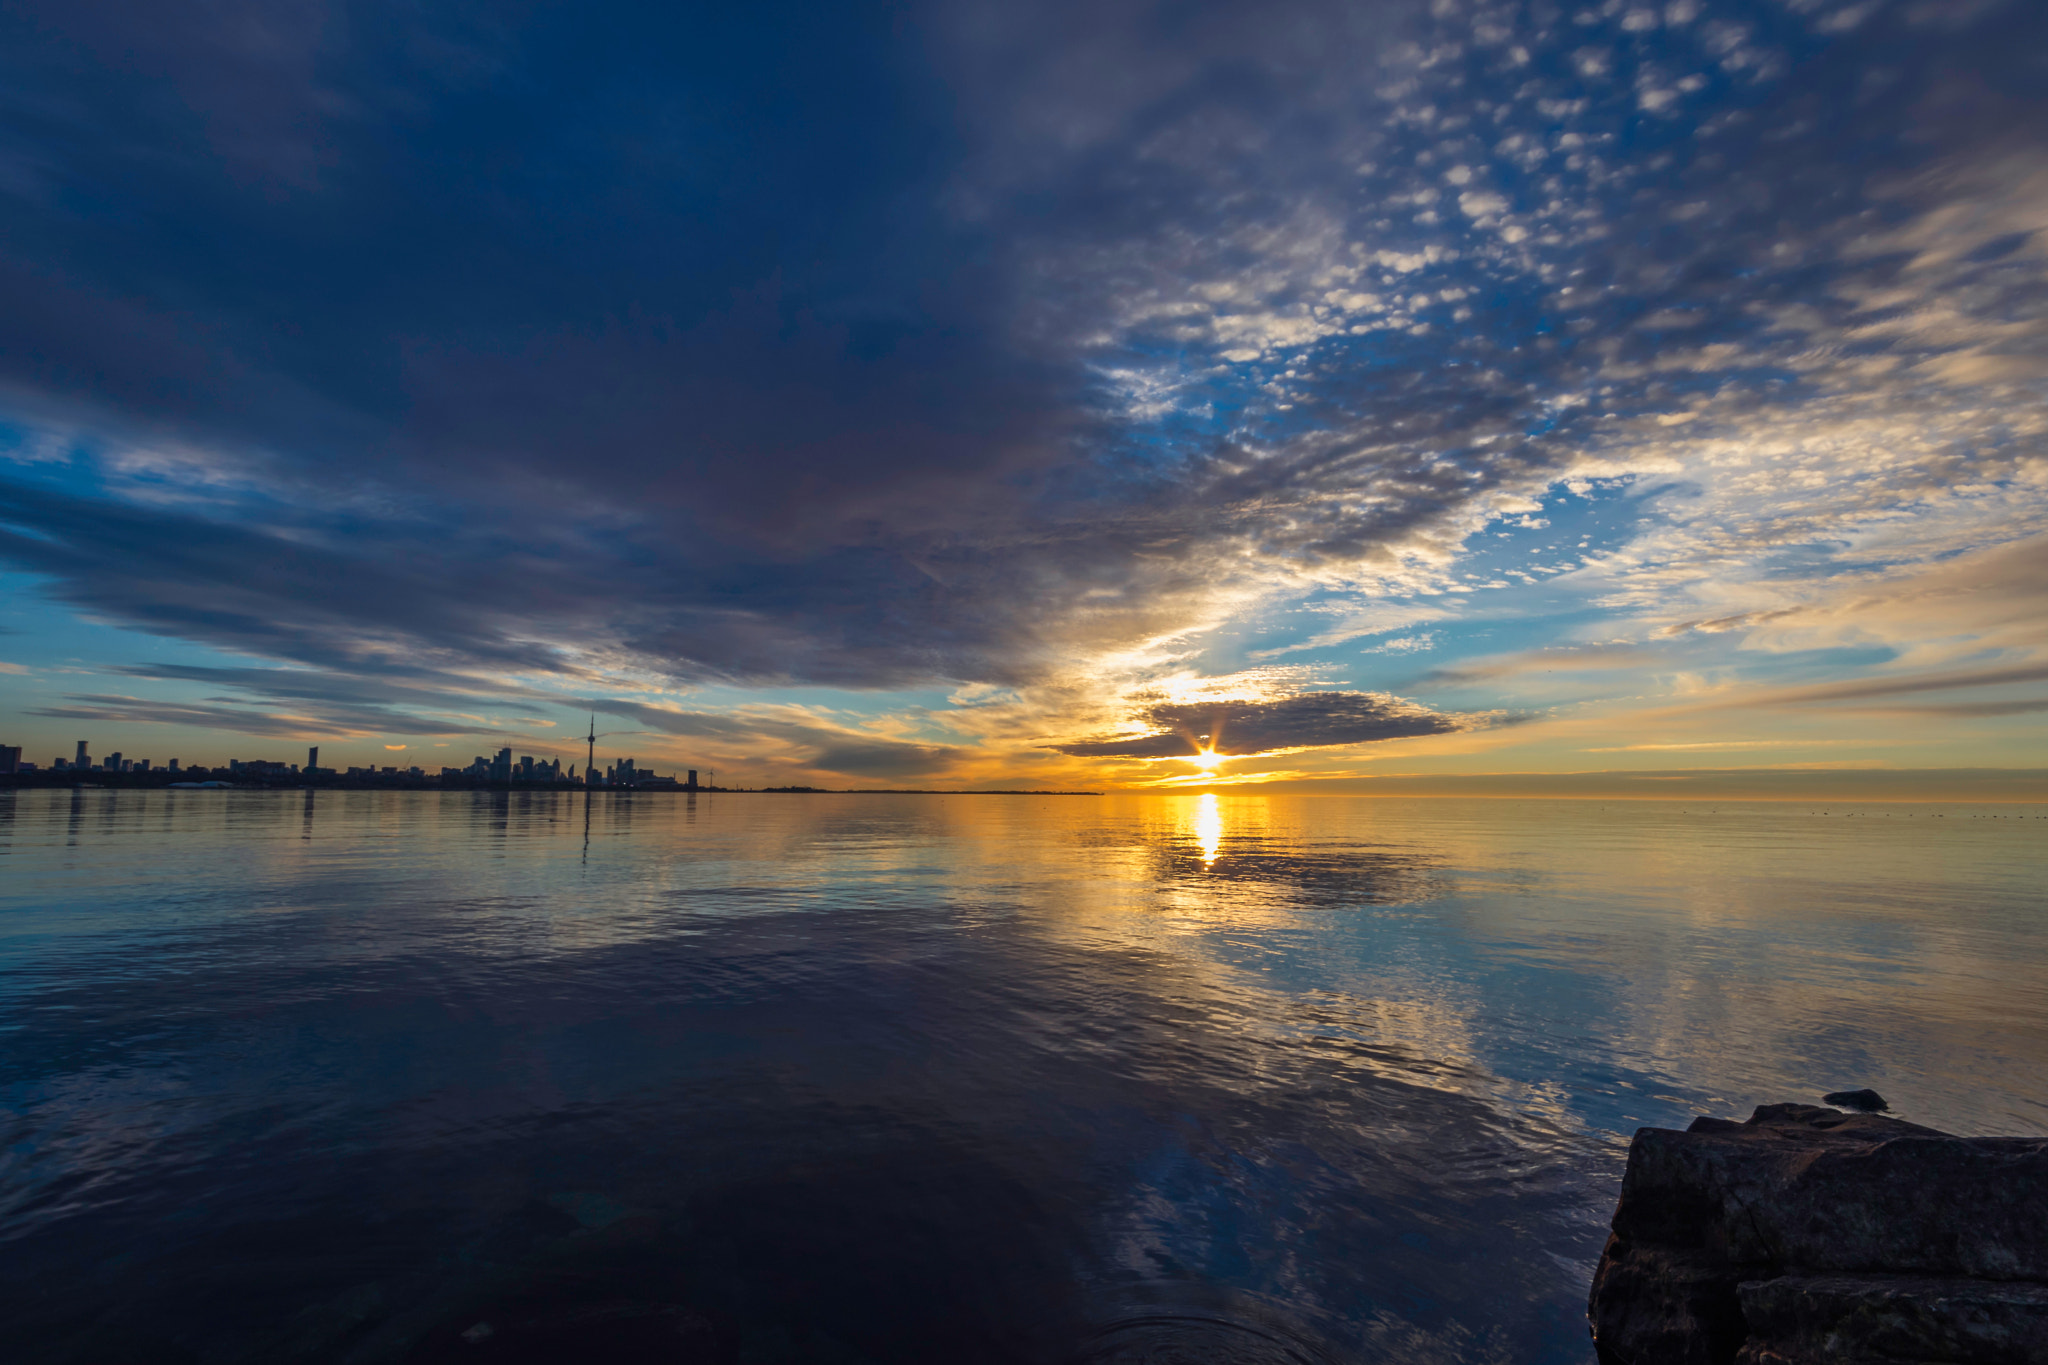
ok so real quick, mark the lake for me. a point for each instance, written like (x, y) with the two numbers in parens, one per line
(485, 1076)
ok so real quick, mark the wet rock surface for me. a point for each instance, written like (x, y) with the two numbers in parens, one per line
(1810, 1235)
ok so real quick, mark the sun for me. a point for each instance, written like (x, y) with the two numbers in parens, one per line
(1207, 759)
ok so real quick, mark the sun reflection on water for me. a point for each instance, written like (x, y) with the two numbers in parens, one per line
(1208, 826)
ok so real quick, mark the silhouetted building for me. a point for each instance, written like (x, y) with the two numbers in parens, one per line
(531, 769)
(84, 759)
(692, 783)
(10, 758)
(312, 757)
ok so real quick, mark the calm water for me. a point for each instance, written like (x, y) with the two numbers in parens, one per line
(343, 1076)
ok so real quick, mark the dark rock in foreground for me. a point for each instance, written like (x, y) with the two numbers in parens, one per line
(1894, 1318)
(1807, 1235)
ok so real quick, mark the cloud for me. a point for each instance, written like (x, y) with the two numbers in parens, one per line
(1305, 721)
(1739, 621)
(1556, 659)
(473, 361)
(382, 681)
(1905, 686)
(1972, 710)
(136, 711)
(1357, 620)
(1713, 744)
(794, 738)
(384, 697)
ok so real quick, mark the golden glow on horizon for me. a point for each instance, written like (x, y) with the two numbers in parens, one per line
(1208, 826)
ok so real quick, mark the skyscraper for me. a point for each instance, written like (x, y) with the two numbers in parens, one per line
(312, 757)
(84, 759)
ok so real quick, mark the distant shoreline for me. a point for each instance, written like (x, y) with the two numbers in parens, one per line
(911, 791)
(196, 778)
(1704, 789)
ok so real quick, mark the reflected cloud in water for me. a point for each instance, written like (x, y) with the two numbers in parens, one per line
(924, 1078)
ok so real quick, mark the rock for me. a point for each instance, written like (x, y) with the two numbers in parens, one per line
(1852, 1216)
(1826, 1319)
(1661, 1304)
(1823, 1190)
(1868, 1101)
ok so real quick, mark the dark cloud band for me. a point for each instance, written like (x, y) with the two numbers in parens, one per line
(1310, 720)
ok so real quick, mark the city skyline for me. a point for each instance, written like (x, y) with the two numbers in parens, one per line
(503, 767)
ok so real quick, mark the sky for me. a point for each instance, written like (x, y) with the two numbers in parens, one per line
(1107, 394)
